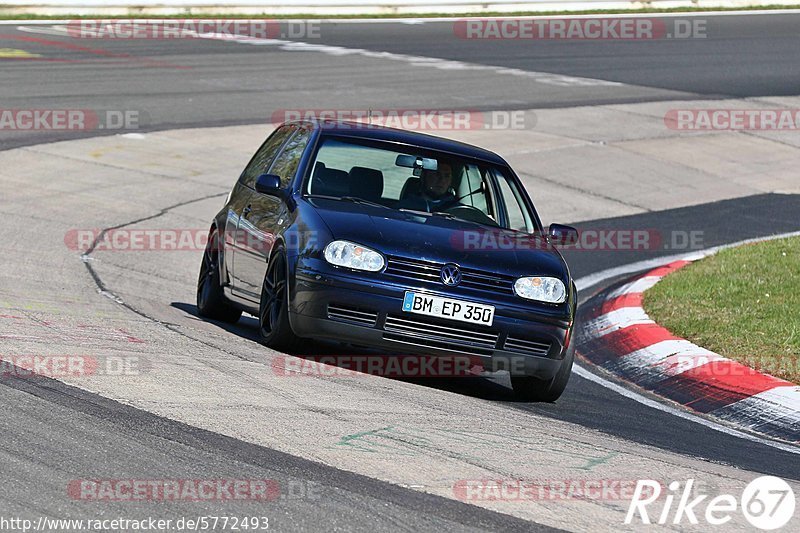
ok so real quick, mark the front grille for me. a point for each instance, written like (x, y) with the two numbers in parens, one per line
(352, 314)
(429, 271)
(413, 269)
(528, 346)
(420, 329)
(439, 345)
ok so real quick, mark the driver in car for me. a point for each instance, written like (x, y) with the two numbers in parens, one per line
(436, 194)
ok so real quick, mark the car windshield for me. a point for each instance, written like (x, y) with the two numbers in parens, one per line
(418, 180)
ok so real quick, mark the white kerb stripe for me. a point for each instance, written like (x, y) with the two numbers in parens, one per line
(662, 360)
(639, 285)
(615, 320)
(778, 406)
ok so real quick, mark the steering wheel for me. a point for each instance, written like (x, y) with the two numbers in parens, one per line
(473, 214)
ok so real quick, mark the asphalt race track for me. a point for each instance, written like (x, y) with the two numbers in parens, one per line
(352, 454)
(200, 82)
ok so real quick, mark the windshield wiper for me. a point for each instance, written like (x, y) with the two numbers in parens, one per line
(357, 200)
(353, 199)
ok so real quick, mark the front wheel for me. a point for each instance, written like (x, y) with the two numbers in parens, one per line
(531, 389)
(273, 310)
(211, 301)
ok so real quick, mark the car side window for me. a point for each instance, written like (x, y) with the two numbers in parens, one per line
(518, 217)
(287, 162)
(471, 191)
(265, 156)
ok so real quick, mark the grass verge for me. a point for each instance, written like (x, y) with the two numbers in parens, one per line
(742, 303)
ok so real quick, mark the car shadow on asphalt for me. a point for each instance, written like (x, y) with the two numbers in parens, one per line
(246, 327)
(487, 386)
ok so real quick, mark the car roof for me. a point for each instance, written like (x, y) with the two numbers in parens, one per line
(383, 133)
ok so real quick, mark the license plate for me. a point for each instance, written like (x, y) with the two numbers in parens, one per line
(426, 304)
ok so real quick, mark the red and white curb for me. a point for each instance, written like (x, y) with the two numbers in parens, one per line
(617, 335)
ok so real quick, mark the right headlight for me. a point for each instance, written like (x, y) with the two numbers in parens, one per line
(351, 255)
(543, 289)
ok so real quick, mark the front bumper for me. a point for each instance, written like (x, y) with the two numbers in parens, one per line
(363, 310)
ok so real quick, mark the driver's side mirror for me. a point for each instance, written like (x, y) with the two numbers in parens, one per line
(270, 184)
(561, 234)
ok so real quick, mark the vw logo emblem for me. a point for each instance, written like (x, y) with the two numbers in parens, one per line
(451, 275)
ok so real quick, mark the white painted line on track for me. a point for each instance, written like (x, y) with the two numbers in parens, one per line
(593, 279)
(423, 20)
(53, 30)
(547, 78)
(582, 372)
(415, 61)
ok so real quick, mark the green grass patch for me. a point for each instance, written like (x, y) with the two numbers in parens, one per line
(742, 303)
(11, 15)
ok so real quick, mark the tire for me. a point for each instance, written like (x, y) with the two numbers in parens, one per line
(211, 301)
(531, 389)
(273, 310)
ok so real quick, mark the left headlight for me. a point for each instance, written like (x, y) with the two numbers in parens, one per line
(352, 255)
(550, 290)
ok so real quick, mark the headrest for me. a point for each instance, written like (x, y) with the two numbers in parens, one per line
(366, 183)
(412, 186)
(330, 181)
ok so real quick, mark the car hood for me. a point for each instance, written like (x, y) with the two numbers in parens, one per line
(439, 239)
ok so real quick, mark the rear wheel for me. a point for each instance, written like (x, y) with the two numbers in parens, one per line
(211, 301)
(533, 389)
(273, 311)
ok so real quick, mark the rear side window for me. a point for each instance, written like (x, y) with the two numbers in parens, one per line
(287, 162)
(265, 156)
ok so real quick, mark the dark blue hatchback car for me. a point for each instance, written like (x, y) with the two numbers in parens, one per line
(399, 242)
